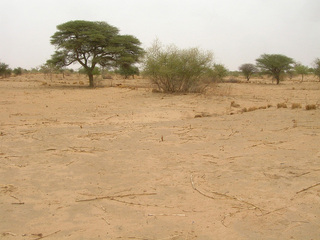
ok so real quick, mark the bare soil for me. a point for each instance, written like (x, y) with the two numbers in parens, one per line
(122, 162)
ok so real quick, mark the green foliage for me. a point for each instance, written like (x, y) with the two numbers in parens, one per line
(5, 71)
(316, 69)
(17, 71)
(248, 69)
(302, 70)
(127, 70)
(176, 70)
(220, 71)
(96, 71)
(274, 65)
(91, 44)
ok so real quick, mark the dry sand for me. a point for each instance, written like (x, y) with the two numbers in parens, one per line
(125, 163)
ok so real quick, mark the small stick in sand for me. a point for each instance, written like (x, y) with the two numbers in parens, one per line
(47, 235)
(305, 189)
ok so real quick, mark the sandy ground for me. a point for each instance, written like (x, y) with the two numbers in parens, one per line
(123, 162)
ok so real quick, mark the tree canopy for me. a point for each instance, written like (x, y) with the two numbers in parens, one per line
(248, 69)
(274, 64)
(91, 44)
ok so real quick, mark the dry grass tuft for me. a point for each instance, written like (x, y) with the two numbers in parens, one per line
(234, 104)
(263, 107)
(311, 107)
(250, 109)
(281, 105)
(269, 106)
(295, 105)
(203, 114)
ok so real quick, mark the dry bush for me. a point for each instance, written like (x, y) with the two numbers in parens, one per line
(311, 107)
(281, 105)
(295, 105)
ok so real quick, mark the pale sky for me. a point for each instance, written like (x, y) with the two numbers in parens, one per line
(236, 31)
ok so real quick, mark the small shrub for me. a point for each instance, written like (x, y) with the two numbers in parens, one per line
(281, 105)
(295, 105)
(311, 107)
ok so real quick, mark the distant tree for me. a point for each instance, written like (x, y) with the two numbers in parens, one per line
(91, 44)
(17, 71)
(301, 70)
(5, 71)
(177, 70)
(248, 69)
(49, 68)
(274, 64)
(316, 68)
(291, 73)
(220, 71)
(127, 70)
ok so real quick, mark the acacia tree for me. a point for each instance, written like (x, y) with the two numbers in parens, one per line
(302, 70)
(274, 64)
(91, 44)
(248, 69)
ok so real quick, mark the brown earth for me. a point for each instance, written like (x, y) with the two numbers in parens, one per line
(123, 162)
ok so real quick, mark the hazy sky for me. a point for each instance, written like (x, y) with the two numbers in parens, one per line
(236, 31)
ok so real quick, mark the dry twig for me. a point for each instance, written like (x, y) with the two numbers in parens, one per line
(116, 196)
(224, 195)
(47, 235)
(305, 189)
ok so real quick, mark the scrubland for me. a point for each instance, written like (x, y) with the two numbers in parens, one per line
(120, 161)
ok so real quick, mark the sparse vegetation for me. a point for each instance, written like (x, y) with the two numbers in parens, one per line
(177, 70)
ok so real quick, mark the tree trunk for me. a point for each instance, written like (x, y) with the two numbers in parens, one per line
(278, 80)
(91, 80)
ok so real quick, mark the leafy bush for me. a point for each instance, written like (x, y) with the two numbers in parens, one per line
(5, 71)
(17, 71)
(177, 70)
(219, 72)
